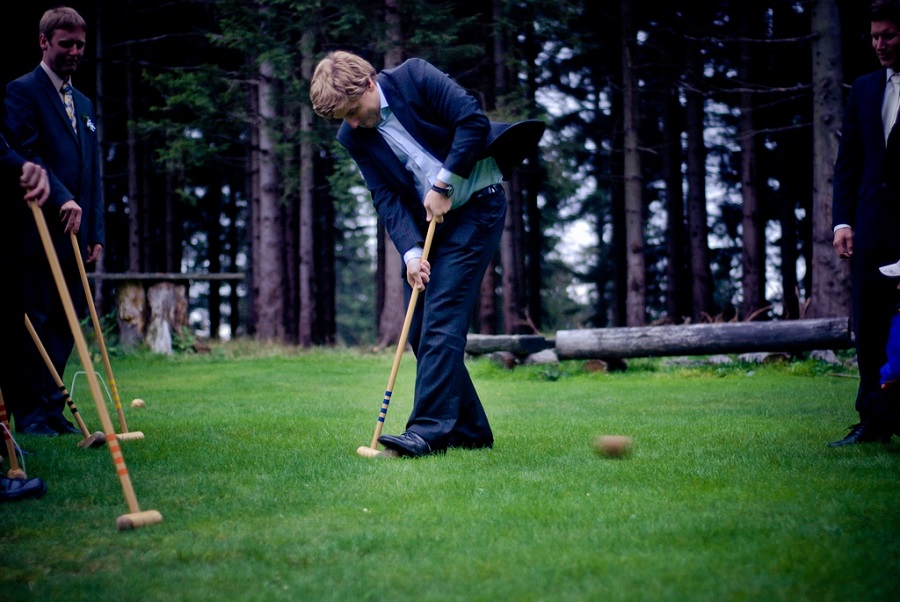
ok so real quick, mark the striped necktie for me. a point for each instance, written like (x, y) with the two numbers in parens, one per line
(70, 104)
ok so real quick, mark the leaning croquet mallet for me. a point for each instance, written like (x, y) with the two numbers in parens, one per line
(97, 439)
(14, 471)
(125, 435)
(135, 518)
(372, 450)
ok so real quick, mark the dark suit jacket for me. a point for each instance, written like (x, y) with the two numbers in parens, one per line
(38, 127)
(866, 191)
(448, 123)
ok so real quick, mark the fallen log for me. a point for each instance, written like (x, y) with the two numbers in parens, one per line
(519, 344)
(704, 339)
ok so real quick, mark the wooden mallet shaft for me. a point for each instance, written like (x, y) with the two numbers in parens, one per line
(372, 450)
(81, 346)
(98, 331)
(89, 440)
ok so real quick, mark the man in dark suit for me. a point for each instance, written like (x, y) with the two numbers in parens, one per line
(15, 174)
(427, 152)
(53, 124)
(866, 212)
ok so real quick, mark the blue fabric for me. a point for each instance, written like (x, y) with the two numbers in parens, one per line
(891, 369)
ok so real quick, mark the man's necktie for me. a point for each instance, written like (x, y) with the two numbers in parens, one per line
(889, 113)
(70, 104)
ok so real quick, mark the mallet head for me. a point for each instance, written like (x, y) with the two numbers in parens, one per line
(135, 520)
(130, 436)
(98, 439)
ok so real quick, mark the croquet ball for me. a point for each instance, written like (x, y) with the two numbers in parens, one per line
(138, 403)
(613, 446)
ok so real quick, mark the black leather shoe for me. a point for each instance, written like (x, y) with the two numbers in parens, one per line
(407, 444)
(13, 490)
(42, 430)
(65, 428)
(862, 432)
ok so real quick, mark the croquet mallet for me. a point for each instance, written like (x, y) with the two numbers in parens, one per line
(135, 518)
(125, 435)
(372, 450)
(96, 439)
(14, 471)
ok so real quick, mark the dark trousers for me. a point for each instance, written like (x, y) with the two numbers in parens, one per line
(44, 402)
(447, 410)
(875, 297)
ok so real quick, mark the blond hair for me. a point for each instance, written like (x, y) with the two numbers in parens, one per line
(339, 78)
(61, 17)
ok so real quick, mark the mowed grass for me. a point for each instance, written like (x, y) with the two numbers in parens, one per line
(730, 492)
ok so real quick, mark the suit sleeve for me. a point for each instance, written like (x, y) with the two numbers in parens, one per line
(97, 233)
(448, 104)
(10, 162)
(394, 210)
(848, 166)
(21, 125)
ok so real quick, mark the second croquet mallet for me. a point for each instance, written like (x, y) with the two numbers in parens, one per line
(135, 517)
(125, 435)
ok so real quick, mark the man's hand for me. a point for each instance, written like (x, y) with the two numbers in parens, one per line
(418, 273)
(35, 182)
(436, 206)
(70, 215)
(94, 252)
(843, 242)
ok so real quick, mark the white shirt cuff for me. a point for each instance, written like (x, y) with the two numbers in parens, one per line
(839, 226)
(414, 253)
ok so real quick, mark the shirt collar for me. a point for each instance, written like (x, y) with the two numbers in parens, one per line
(54, 78)
(888, 74)
(385, 107)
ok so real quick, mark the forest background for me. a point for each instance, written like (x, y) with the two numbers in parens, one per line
(685, 175)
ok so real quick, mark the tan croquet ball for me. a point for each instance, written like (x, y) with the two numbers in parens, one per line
(613, 446)
(138, 403)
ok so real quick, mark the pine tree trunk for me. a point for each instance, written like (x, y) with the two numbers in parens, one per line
(393, 308)
(698, 230)
(270, 296)
(306, 300)
(635, 299)
(830, 291)
(753, 255)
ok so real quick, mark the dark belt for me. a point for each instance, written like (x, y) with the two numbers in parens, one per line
(487, 191)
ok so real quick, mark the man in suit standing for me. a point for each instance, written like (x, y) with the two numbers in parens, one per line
(427, 152)
(866, 212)
(51, 123)
(15, 174)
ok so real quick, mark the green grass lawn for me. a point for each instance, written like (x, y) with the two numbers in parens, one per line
(730, 492)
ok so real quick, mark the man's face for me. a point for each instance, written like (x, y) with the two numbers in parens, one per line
(886, 42)
(364, 111)
(63, 51)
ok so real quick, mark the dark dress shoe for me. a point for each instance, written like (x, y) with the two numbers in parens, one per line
(42, 430)
(407, 444)
(65, 428)
(862, 432)
(13, 490)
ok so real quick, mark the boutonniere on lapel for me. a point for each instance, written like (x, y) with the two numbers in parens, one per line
(87, 121)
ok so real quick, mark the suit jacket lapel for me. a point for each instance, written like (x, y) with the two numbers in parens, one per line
(56, 102)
